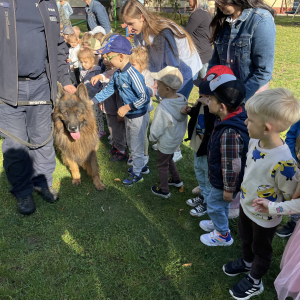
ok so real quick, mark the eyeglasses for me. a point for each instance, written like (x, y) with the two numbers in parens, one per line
(108, 58)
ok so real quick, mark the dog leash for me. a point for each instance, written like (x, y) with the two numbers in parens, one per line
(29, 145)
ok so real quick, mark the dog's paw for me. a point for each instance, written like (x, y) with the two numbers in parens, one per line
(100, 187)
(76, 181)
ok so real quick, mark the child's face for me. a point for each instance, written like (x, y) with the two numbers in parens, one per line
(256, 127)
(73, 44)
(106, 62)
(114, 59)
(137, 66)
(213, 104)
(87, 62)
(65, 36)
(162, 89)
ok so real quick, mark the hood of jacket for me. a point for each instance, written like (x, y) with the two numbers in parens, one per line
(173, 106)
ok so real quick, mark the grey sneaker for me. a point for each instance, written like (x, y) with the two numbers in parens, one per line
(199, 210)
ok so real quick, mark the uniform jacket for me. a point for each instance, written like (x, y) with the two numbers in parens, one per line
(56, 66)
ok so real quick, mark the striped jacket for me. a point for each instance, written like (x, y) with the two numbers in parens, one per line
(132, 89)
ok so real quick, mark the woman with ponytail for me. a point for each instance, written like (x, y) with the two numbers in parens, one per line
(244, 40)
(168, 44)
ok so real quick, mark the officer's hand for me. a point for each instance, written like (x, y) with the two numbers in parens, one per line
(227, 196)
(70, 88)
(261, 205)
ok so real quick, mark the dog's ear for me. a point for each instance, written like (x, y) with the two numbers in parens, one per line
(82, 93)
(60, 93)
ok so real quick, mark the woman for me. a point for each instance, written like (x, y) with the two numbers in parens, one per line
(96, 15)
(199, 30)
(65, 11)
(168, 44)
(244, 40)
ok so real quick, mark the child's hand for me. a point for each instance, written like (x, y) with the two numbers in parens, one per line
(203, 100)
(96, 78)
(123, 110)
(101, 106)
(261, 205)
(227, 196)
(185, 109)
(91, 101)
(69, 60)
(154, 87)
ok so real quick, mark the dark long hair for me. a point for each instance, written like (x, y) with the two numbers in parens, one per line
(218, 21)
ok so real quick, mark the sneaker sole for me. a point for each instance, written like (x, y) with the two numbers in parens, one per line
(248, 297)
(164, 196)
(147, 172)
(206, 228)
(198, 215)
(176, 184)
(191, 204)
(232, 275)
(205, 242)
(283, 235)
(133, 182)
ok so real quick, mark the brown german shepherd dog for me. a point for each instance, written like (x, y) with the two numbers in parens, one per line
(75, 134)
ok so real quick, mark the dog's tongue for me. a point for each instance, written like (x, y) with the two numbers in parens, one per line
(75, 135)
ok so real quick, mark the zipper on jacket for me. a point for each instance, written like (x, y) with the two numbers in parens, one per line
(7, 25)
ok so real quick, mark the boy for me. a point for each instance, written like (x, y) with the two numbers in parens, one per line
(168, 127)
(227, 149)
(270, 173)
(135, 96)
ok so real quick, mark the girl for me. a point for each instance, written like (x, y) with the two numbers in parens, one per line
(168, 45)
(89, 70)
(73, 59)
(244, 40)
(139, 60)
(287, 282)
(65, 11)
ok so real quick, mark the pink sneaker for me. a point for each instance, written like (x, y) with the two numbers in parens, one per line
(101, 134)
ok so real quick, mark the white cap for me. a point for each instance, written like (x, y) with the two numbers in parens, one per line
(170, 76)
(98, 29)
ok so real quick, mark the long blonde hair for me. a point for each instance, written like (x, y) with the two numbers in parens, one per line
(155, 25)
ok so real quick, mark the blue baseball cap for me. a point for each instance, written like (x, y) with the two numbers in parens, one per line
(118, 44)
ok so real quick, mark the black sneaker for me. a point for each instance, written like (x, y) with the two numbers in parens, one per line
(246, 288)
(176, 183)
(26, 205)
(50, 194)
(286, 229)
(199, 210)
(236, 267)
(157, 191)
(193, 202)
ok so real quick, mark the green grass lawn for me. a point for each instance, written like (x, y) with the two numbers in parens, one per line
(126, 243)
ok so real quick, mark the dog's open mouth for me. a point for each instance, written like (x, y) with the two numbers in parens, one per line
(75, 135)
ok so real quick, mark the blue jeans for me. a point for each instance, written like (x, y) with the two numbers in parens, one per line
(218, 210)
(201, 172)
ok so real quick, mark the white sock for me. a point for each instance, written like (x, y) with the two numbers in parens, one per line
(248, 265)
(256, 281)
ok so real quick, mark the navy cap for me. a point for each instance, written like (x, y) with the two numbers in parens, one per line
(118, 44)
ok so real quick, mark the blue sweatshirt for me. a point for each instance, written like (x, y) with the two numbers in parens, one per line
(291, 138)
(132, 89)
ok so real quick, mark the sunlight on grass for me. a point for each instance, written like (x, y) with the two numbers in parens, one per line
(71, 242)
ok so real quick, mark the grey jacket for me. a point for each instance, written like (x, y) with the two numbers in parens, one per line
(56, 66)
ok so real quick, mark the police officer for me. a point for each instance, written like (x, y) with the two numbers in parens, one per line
(32, 60)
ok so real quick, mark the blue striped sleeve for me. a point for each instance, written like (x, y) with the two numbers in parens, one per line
(107, 92)
(140, 89)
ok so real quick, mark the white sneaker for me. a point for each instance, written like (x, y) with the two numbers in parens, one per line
(177, 156)
(196, 190)
(154, 147)
(214, 238)
(233, 213)
(207, 225)
(146, 159)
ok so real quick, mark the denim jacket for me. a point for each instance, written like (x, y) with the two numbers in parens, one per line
(67, 9)
(252, 48)
(96, 15)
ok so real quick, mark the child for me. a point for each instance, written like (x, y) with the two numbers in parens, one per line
(73, 59)
(77, 33)
(139, 60)
(168, 127)
(292, 140)
(84, 40)
(287, 282)
(270, 174)
(135, 96)
(89, 70)
(227, 149)
(67, 30)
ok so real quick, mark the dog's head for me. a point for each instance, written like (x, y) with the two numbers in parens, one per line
(71, 109)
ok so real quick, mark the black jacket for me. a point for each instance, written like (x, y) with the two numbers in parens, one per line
(56, 66)
(209, 121)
